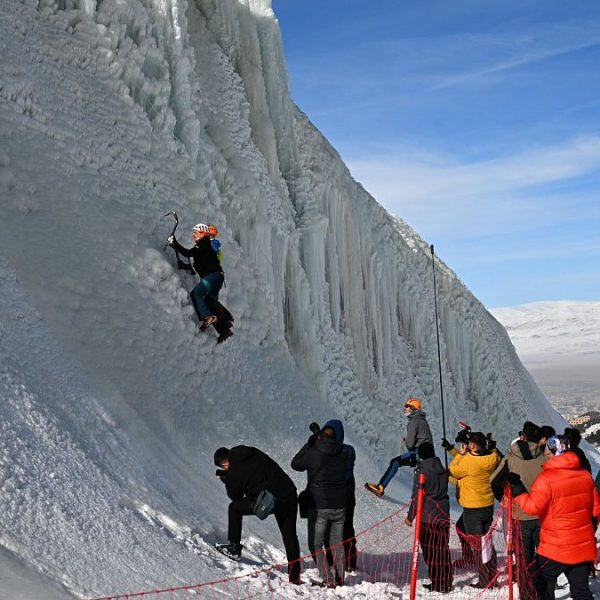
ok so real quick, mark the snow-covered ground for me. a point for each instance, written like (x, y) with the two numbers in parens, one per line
(112, 113)
(559, 343)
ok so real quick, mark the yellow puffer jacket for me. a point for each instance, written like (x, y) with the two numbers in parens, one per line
(472, 472)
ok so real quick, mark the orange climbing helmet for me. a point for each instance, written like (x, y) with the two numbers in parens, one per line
(413, 403)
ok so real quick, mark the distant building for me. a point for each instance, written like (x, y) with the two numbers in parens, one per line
(580, 420)
(584, 420)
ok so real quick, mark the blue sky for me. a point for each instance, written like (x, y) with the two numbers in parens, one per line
(476, 121)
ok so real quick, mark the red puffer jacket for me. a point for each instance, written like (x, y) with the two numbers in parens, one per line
(565, 498)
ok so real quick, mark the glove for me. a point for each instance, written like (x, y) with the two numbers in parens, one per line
(446, 445)
(171, 240)
(314, 427)
(312, 439)
(516, 485)
(408, 522)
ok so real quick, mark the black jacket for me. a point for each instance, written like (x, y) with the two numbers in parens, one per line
(436, 508)
(251, 470)
(325, 462)
(202, 256)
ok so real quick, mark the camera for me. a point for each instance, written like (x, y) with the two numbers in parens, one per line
(463, 436)
(314, 428)
(221, 473)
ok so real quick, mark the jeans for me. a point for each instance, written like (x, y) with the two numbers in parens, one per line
(404, 460)
(350, 549)
(332, 518)
(577, 575)
(205, 293)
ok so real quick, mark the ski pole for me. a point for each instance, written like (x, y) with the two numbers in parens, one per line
(437, 334)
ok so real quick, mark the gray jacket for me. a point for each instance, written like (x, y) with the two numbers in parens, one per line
(417, 430)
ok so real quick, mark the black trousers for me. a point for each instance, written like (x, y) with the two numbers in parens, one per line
(466, 551)
(436, 553)
(530, 537)
(477, 523)
(529, 533)
(577, 575)
(286, 511)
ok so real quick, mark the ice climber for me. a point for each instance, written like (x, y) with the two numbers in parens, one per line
(417, 432)
(205, 295)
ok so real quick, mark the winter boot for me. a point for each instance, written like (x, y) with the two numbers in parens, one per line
(232, 550)
(223, 336)
(207, 322)
(375, 488)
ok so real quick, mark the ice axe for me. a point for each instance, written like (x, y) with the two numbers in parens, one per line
(172, 212)
(180, 263)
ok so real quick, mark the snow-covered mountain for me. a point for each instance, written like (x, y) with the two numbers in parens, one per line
(112, 113)
(559, 343)
(546, 330)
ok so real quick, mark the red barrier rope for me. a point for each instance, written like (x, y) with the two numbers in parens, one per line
(388, 564)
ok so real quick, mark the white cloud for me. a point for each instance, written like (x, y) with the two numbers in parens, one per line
(442, 191)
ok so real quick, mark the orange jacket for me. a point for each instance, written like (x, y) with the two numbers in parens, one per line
(565, 498)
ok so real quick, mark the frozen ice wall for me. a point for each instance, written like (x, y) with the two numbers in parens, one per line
(195, 114)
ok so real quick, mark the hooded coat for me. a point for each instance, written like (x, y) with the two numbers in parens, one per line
(417, 430)
(338, 427)
(565, 499)
(325, 462)
(251, 471)
(436, 508)
(526, 460)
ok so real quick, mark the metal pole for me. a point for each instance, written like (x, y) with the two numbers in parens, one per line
(437, 335)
